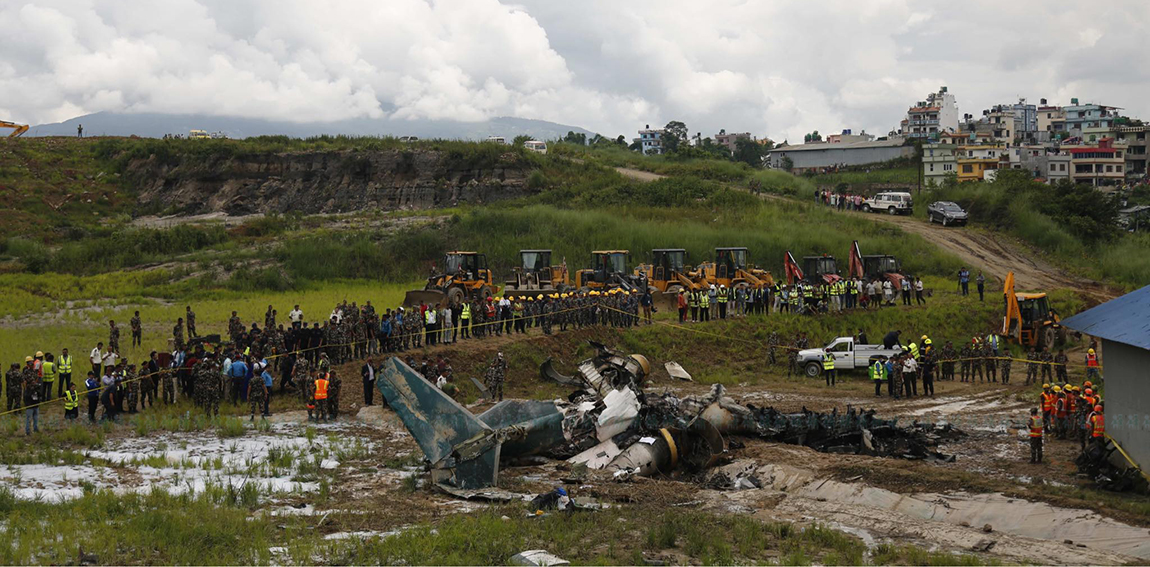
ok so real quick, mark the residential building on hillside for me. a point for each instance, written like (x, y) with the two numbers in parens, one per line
(651, 140)
(822, 155)
(1136, 155)
(931, 117)
(1050, 122)
(1000, 121)
(1086, 120)
(975, 169)
(846, 137)
(938, 161)
(731, 140)
(1100, 165)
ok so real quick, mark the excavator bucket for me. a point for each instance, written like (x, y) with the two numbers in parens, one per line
(855, 267)
(428, 296)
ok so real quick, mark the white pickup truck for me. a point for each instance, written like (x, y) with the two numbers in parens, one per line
(848, 356)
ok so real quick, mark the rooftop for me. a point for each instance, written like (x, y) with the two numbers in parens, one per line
(849, 146)
(1124, 320)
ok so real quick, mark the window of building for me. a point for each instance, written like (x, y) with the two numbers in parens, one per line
(1062, 167)
(1110, 169)
(1053, 167)
(967, 169)
(932, 168)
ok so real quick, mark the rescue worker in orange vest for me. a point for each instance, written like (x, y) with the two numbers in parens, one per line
(1085, 407)
(1047, 398)
(1091, 365)
(1035, 424)
(321, 396)
(1096, 424)
(1060, 413)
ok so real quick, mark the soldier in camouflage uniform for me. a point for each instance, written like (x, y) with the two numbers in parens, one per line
(178, 334)
(137, 330)
(209, 388)
(417, 325)
(257, 392)
(334, 385)
(269, 318)
(14, 381)
(330, 339)
(1031, 367)
(235, 328)
(1047, 369)
(169, 386)
(988, 355)
(190, 316)
(359, 338)
(301, 377)
(132, 382)
(1004, 369)
(772, 344)
(948, 356)
(113, 337)
(965, 355)
(545, 315)
(793, 356)
(493, 380)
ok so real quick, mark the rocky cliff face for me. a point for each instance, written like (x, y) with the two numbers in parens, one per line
(324, 182)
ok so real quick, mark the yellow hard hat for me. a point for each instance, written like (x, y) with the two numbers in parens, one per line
(1046, 386)
(1058, 388)
(530, 299)
(926, 342)
(27, 359)
(39, 354)
(923, 338)
(1091, 351)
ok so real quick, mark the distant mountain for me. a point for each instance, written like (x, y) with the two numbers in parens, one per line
(153, 125)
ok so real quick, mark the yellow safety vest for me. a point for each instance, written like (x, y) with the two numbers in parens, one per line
(914, 350)
(466, 311)
(65, 364)
(704, 300)
(71, 400)
(828, 361)
(48, 371)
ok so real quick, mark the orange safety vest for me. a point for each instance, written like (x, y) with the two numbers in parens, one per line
(1047, 402)
(1071, 401)
(1035, 427)
(321, 389)
(1098, 425)
(1060, 407)
(1092, 360)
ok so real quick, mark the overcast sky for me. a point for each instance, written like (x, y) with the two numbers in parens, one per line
(775, 68)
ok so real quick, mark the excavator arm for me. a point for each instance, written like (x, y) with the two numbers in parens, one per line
(19, 129)
(1012, 320)
(855, 267)
(791, 269)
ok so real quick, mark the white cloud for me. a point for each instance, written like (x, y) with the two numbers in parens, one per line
(779, 68)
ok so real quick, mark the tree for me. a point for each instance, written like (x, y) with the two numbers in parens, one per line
(573, 138)
(787, 163)
(749, 152)
(520, 140)
(673, 133)
(621, 140)
(635, 146)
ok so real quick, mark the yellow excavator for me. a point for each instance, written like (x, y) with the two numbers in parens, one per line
(731, 269)
(1029, 319)
(18, 129)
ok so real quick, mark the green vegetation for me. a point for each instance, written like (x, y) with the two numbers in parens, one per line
(1073, 224)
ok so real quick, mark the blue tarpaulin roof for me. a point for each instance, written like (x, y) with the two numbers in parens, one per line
(1124, 320)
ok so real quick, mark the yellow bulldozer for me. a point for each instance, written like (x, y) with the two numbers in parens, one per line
(17, 129)
(1029, 319)
(608, 270)
(536, 276)
(464, 276)
(732, 270)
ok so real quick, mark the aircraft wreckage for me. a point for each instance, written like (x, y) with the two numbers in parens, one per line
(611, 423)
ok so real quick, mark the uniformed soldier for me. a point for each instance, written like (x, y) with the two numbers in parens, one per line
(209, 388)
(113, 337)
(178, 334)
(948, 356)
(772, 344)
(13, 382)
(235, 328)
(132, 382)
(989, 356)
(257, 393)
(1004, 369)
(334, 386)
(1047, 366)
(964, 364)
(190, 316)
(137, 330)
(1060, 361)
(496, 373)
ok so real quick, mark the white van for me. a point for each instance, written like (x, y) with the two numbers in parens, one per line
(536, 146)
(892, 202)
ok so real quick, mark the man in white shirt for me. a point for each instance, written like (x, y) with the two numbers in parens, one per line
(111, 358)
(909, 376)
(97, 359)
(296, 317)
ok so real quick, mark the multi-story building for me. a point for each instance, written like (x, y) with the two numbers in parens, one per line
(846, 137)
(938, 161)
(1089, 121)
(1134, 137)
(1050, 122)
(1055, 167)
(731, 140)
(974, 169)
(1097, 165)
(1025, 119)
(1000, 123)
(651, 140)
(931, 117)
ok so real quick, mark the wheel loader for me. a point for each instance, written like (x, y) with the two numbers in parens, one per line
(731, 269)
(464, 275)
(1029, 319)
(536, 276)
(608, 270)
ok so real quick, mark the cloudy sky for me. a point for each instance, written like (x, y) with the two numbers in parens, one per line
(772, 67)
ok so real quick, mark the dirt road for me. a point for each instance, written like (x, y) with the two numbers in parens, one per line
(996, 255)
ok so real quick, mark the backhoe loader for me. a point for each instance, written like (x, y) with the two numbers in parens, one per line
(1029, 319)
(731, 269)
(18, 129)
(464, 275)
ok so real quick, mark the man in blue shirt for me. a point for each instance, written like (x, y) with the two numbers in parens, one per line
(238, 371)
(92, 386)
(268, 381)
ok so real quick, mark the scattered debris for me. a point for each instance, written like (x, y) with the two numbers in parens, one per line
(537, 558)
(676, 371)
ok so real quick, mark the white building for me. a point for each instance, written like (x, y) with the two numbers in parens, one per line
(651, 140)
(931, 117)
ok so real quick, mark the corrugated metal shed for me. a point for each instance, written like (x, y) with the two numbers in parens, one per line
(1124, 320)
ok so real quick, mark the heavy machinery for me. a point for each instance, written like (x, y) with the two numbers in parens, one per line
(535, 275)
(875, 266)
(731, 269)
(608, 270)
(18, 129)
(464, 275)
(1029, 319)
(667, 273)
(816, 270)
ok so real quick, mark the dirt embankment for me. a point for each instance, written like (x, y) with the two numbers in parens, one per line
(324, 181)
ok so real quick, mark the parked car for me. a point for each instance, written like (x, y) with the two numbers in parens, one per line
(848, 356)
(892, 202)
(946, 213)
